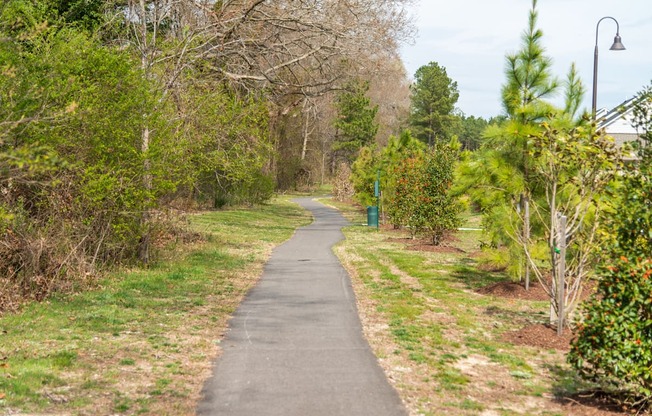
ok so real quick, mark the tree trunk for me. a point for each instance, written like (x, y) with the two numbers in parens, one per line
(145, 237)
(306, 127)
(526, 236)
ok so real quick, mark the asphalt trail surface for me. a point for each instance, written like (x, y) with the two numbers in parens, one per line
(295, 344)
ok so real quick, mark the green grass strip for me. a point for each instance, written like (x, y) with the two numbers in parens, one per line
(137, 342)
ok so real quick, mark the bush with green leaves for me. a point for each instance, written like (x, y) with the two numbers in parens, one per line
(71, 165)
(229, 145)
(392, 156)
(370, 162)
(364, 173)
(400, 203)
(614, 341)
(421, 199)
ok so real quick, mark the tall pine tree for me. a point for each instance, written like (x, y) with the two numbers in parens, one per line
(356, 125)
(434, 96)
(498, 177)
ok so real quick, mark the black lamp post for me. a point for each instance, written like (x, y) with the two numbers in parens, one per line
(617, 46)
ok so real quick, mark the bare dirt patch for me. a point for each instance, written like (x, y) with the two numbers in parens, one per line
(535, 335)
(447, 245)
(541, 336)
(515, 290)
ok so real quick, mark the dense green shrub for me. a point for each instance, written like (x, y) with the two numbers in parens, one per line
(364, 173)
(71, 164)
(392, 156)
(421, 199)
(257, 189)
(614, 341)
(401, 203)
(229, 145)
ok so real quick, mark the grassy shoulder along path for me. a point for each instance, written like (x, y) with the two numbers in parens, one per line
(439, 341)
(144, 343)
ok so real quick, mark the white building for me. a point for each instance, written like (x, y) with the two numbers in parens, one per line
(618, 122)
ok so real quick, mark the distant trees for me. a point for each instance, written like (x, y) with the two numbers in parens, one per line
(470, 130)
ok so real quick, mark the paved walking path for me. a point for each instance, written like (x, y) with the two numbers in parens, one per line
(295, 345)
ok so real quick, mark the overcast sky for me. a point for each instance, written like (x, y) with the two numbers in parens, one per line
(470, 38)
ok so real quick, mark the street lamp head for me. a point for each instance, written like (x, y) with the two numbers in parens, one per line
(618, 44)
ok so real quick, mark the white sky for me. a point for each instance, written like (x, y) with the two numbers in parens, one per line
(470, 38)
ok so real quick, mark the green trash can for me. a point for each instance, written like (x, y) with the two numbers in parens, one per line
(372, 216)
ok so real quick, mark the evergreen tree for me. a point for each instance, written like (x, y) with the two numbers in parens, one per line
(498, 176)
(356, 125)
(529, 81)
(398, 149)
(471, 130)
(420, 196)
(547, 162)
(434, 96)
(363, 175)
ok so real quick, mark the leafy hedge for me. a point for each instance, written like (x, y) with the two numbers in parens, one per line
(614, 342)
(421, 199)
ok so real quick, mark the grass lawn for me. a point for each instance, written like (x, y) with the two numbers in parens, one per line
(144, 341)
(438, 340)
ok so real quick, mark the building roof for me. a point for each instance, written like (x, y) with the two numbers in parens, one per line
(618, 120)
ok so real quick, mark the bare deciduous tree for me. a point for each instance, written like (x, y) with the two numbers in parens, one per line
(292, 51)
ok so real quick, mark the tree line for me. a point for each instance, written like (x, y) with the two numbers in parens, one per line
(115, 113)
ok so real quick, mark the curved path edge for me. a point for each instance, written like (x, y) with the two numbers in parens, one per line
(295, 345)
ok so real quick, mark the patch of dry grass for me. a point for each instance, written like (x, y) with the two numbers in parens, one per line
(434, 336)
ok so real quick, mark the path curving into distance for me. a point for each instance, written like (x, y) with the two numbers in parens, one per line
(295, 345)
